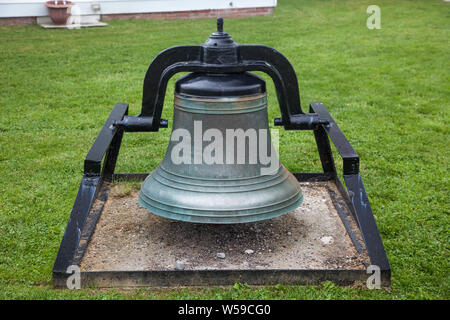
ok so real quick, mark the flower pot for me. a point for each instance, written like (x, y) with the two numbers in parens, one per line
(58, 12)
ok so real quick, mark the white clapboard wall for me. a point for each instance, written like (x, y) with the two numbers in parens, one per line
(36, 8)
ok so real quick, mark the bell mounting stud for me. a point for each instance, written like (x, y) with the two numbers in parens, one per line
(219, 25)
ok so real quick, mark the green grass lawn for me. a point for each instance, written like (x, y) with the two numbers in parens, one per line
(388, 89)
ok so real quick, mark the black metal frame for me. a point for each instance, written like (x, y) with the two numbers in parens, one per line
(220, 54)
(217, 55)
(106, 148)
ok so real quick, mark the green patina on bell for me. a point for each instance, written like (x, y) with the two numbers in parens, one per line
(220, 192)
(214, 115)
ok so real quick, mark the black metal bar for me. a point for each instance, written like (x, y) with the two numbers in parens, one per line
(310, 121)
(139, 123)
(359, 202)
(282, 73)
(293, 117)
(90, 223)
(312, 176)
(111, 156)
(85, 197)
(220, 54)
(366, 221)
(342, 210)
(324, 148)
(345, 149)
(108, 141)
(168, 278)
(93, 160)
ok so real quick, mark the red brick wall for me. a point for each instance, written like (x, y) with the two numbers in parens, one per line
(213, 13)
(18, 20)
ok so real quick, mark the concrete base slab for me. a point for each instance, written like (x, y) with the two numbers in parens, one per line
(125, 245)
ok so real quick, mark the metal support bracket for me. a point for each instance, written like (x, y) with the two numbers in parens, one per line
(106, 147)
(359, 201)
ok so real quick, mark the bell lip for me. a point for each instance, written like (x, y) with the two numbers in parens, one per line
(230, 186)
(266, 203)
(232, 219)
(225, 211)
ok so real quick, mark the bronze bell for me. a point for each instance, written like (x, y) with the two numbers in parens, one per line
(221, 180)
(220, 165)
